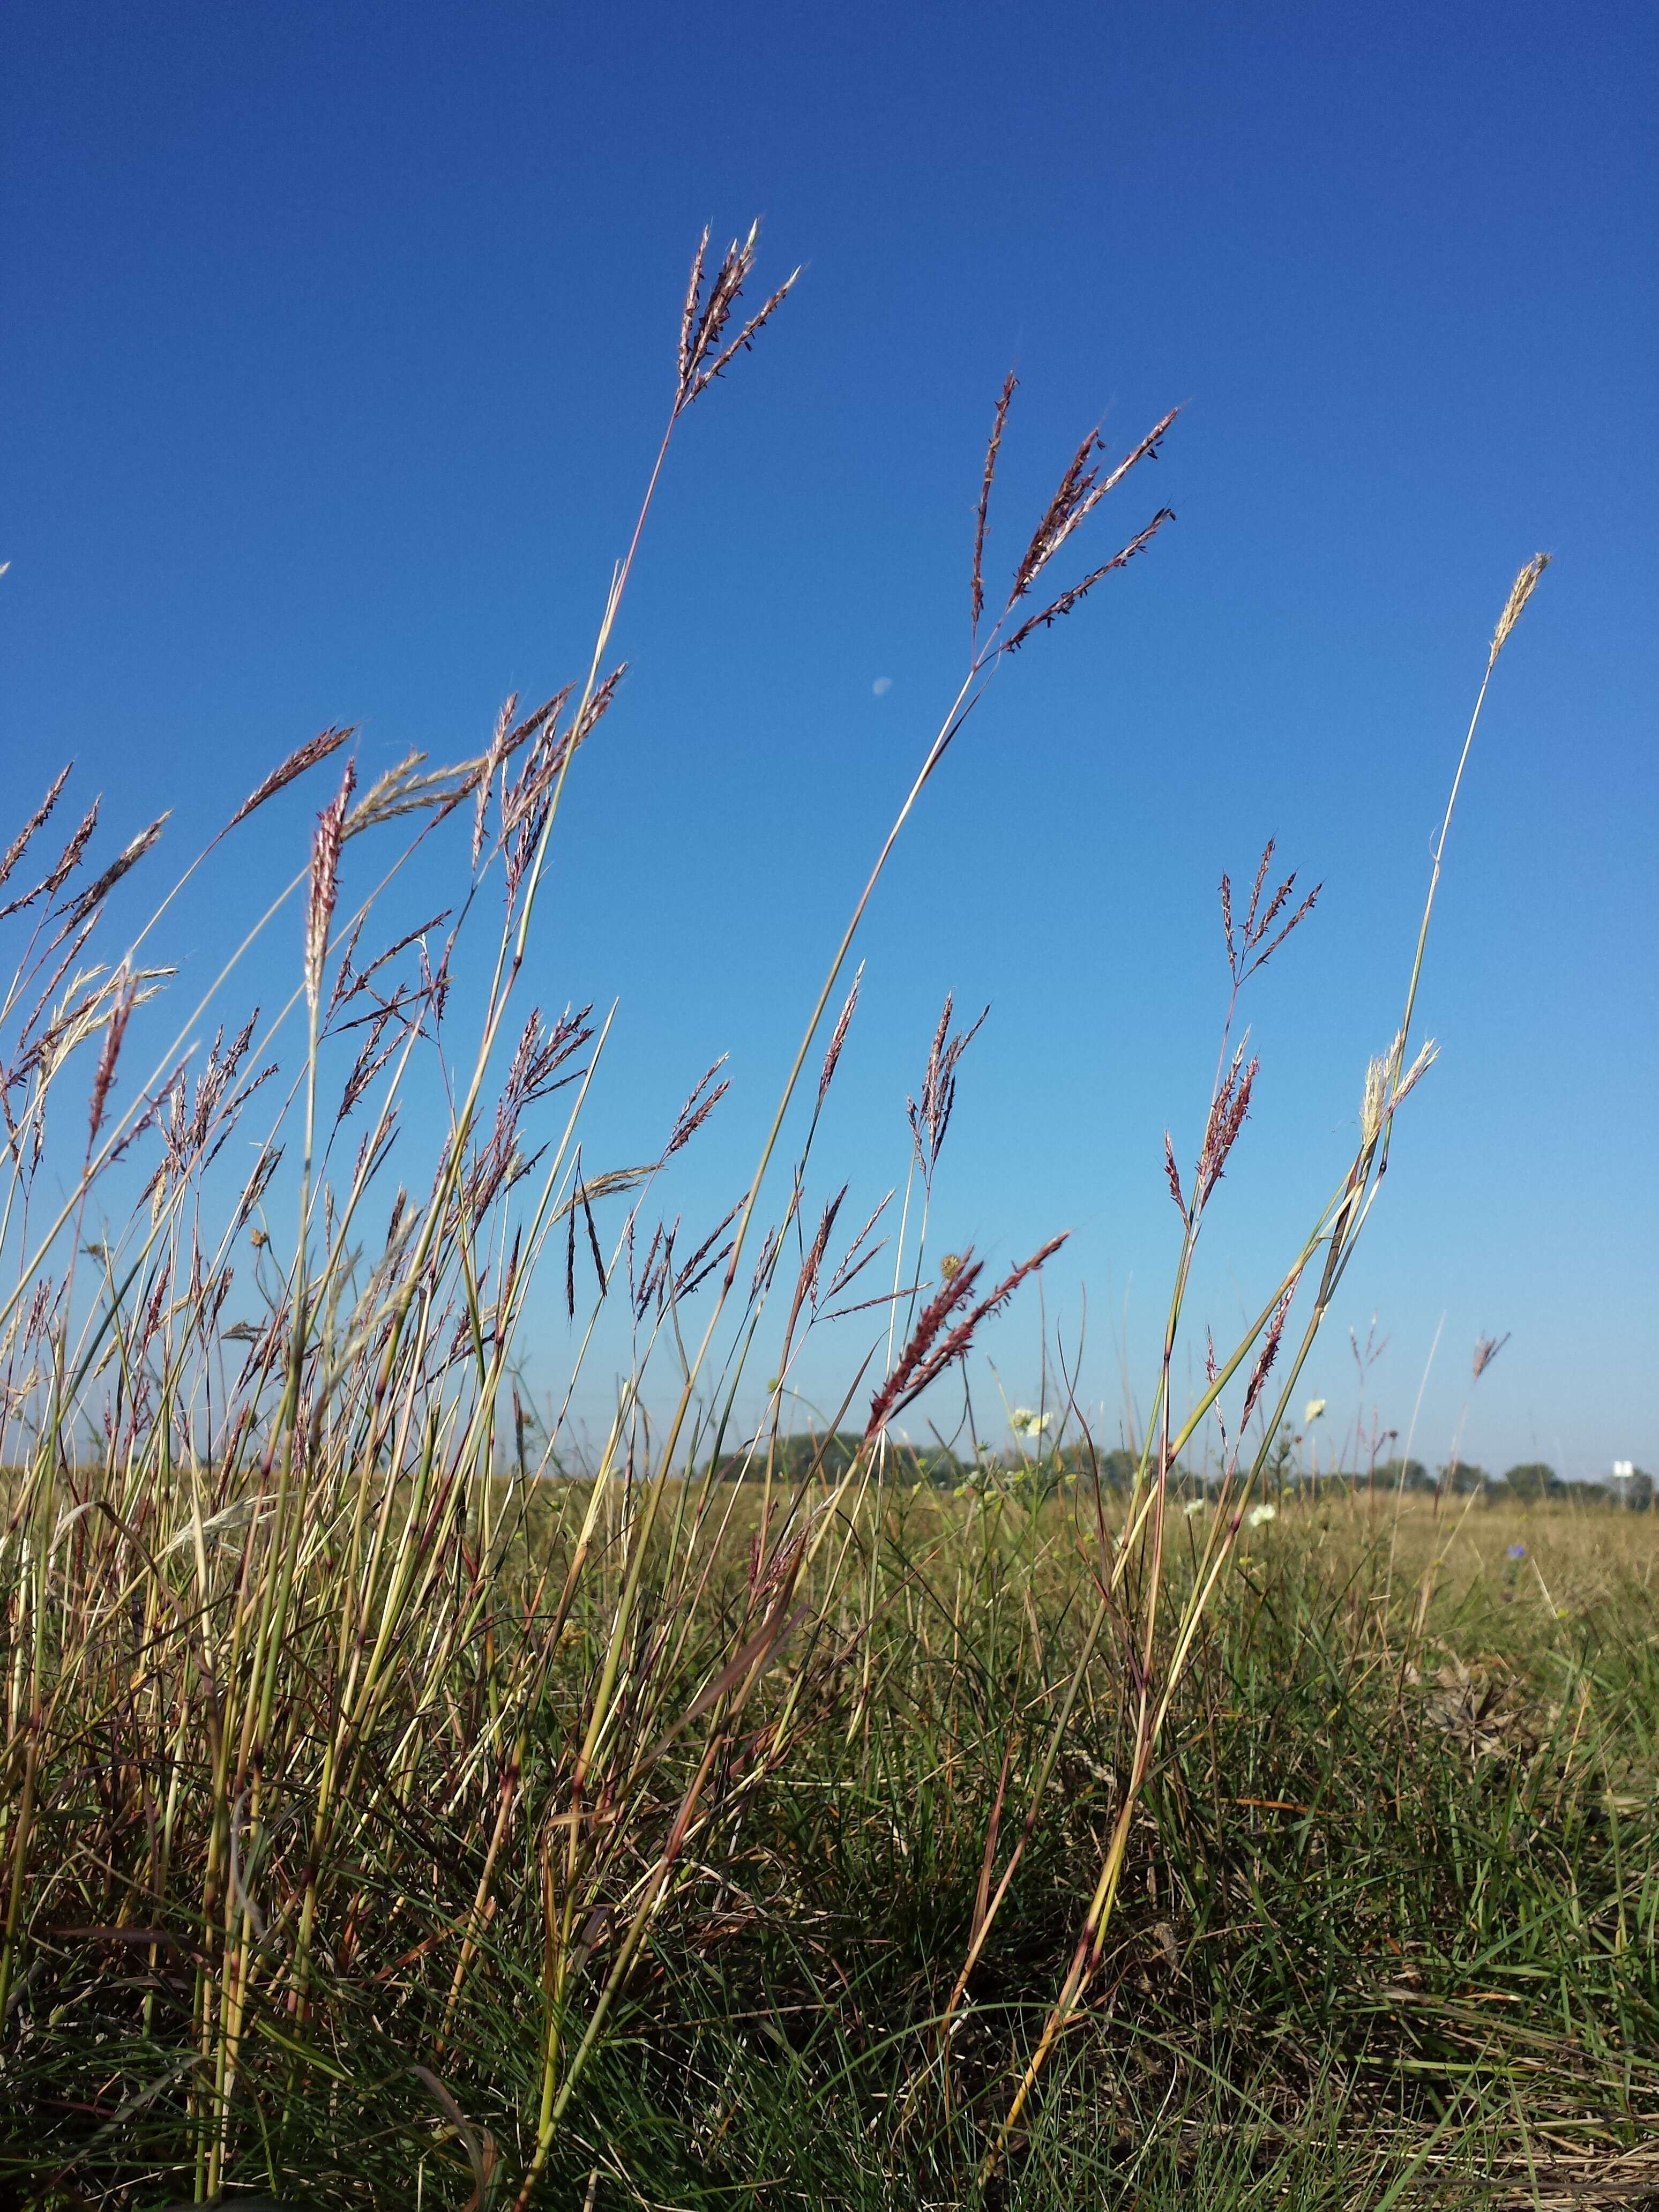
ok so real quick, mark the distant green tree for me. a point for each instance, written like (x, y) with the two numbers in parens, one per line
(794, 1458)
(1391, 1471)
(1532, 1480)
(1465, 1478)
(1116, 1470)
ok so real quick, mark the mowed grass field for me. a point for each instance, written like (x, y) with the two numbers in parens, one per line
(1386, 1928)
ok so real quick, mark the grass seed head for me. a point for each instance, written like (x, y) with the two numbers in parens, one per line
(20, 842)
(325, 844)
(1520, 591)
(982, 517)
(704, 319)
(303, 758)
(1371, 1106)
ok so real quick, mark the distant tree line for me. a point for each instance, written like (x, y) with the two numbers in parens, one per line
(1531, 1481)
(797, 1457)
(801, 1457)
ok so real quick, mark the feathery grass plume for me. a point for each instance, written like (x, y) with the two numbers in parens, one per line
(528, 802)
(838, 1038)
(84, 1010)
(351, 981)
(326, 840)
(194, 1130)
(917, 1357)
(1172, 1176)
(930, 1118)
(1387, 1088)
(1371, 1104)
(411, 787)
(703, 320)
(1068, 600)
(1228, 1109)
(592, 1238)
(535, 724)
(1060, 517)
(806, 1279)
(538, 1068)
(697, 1109)
(1080, 491)
(1520, 591)
(492, 762)
(97, 891)
(20, 844)
(1252, 950)
(67, 860)
(695, 1271)
(588, 719)
(1486, 1349)
(1265, 1359)
(643, 1289)
(932, 1348)
(302, 758)
(264, 1171)
(1427, 1053)
(123, 1000)
(509, 738)
(982, 516)
(860, 1253)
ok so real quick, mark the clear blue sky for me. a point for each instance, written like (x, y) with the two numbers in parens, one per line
(336, 343)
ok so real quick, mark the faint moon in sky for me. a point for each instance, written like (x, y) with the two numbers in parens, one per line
(881, 686)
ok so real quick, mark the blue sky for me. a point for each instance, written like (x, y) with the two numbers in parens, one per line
(336, 344)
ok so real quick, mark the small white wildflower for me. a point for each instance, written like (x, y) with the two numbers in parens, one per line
(1194, 1505)
(1260, 1515)
(1311, 1410)
(1024, 1423)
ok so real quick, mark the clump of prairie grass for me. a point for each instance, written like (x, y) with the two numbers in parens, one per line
(382, 1824)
